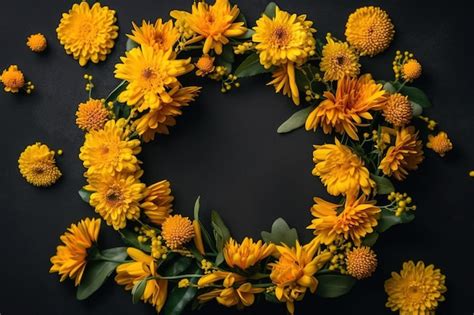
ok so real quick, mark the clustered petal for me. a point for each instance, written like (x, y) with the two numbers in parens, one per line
(38, 166)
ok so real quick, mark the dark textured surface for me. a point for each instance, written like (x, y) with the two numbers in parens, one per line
(225, 149)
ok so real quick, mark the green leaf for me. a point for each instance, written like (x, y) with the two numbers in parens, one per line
(270, 297)
(197, 206)
(176, 266)
(228, 53)
(85, 195)
(416, 108)
(389, 219)
(221, 232)
(388, 86)
(179, 298)
(112, 97)
(250, 66)
(331, 286)
(94, 276)
(116, 253)
(296, 120)
(414, 94)
(219, 259)
(370, 239)
(281, 233)
(247, 35)
(270, 10)
(131, 239)
(130, 44)
(384, 185)
(138, 290)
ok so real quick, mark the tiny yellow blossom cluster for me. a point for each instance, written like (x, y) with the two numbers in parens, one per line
(401, 203)
(406, 67)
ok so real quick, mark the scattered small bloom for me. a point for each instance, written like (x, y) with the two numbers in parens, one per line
(205, 65)
(183, 283)
(338, 60)
(177, 231)
(13, 79)
(37, 42)
(38, 166)
(439, 143)
(398, 110)
(411, 70)
(91, 115)
(361, 262)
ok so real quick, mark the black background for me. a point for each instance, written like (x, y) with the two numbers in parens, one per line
(226, 149)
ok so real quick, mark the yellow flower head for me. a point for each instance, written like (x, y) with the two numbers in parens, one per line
(398, 110)
(37, 42)
(439, 143)
(13, 79)
(150, 74)
(361, 262)
(356, 220)
(177, 231)
(411, 70)
(158, 120)
(88, 33)
(229, 278)
(205, 65)
(284, 38)
(284, 80)
(404, 155)
(294, 271)
(339, 60)
(109, 150)
(416, 289)
(369, 30)
(91, 115)
(341, 170)
(354, 99)
(143, 266)
(37, 165)
(116, 197)
(247, 254)
(160, 36)
(157, 204)
(71, 258)
(213, 23)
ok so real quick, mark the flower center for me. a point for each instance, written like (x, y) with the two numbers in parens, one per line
(340, 60)
(210, 18)
(113, 195)
(280, 36)
(38, 170)
(87, 32)
(148, 74)
(159, 39)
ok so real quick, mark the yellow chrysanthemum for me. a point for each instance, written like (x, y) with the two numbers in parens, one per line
(205, 65)
(411, 70)
(356, 220)
(361, 262)
(354, 99)
(213, 23)
(116, 197)
(150, 73)
(160, 36)
(294, 271)
(369, 30)
(404, 155)
(143, 266)
(284, 80)
(341, 170)
(439, 143)
(13, 79)
(37, 165)
(158, 120)
(177, 231)
(37, 42)
(339, 60)
(71, 258)
(91, 115)
(88, 33)
(157, 204)
(247, 254)
(398, 110)
(416, 289)
(109, 150)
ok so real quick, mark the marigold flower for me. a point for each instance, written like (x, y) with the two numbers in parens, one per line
(71, 258)
(416, 289)
(284, 80)
(13, 79)
(369, 30)
(398, 110)
(38, 166)
(159, 36)
(205, 65)
(341, 170)
(91, 115)
(242, 296)
(343, 111)
(157, 204)
(219, 275)
(143, 267)
(88, 33)
(37, 42)
(361, 262)
(177, 231)
(356, 220)
(247, 254)
(411, 70)
(439, 143)
(116, 197)
(339, 60)
(404, 155)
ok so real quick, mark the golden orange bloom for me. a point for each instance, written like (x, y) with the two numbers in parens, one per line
(354, 99)
(439, 143)
(159, 36)
(205, 65)
(37, 42)
(13, 79)
(91, 115)
(177, 231)
(411, 70)
(398, 110)
(157, 204)
(361, 262)
(38, 166)
(404, 155)
(247, 254)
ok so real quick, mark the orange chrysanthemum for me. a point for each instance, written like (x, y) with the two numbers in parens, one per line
(13, 79)
(159, 36)
(177, 231)
(157, 204)
(91, 115)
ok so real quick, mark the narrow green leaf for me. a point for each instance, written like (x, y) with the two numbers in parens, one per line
(250, 66)
(179, 298)
(296, 120)
(116, 253)
(332, 286)
(112, 97)
(281, 233)
(384, 185)
(138, 290)
(416, 108)
(197, 206)
(388, 219)
(370, 239)
(94, 276)
(85, 195)
(247, 35)
(221, 232)
(219, 259)
(270, 10)
(175, 266)
(130, 44)
(228, 53)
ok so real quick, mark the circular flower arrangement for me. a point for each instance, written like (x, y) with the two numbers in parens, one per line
(173, 262)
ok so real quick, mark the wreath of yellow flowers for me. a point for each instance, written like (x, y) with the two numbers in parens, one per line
(173, 262)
